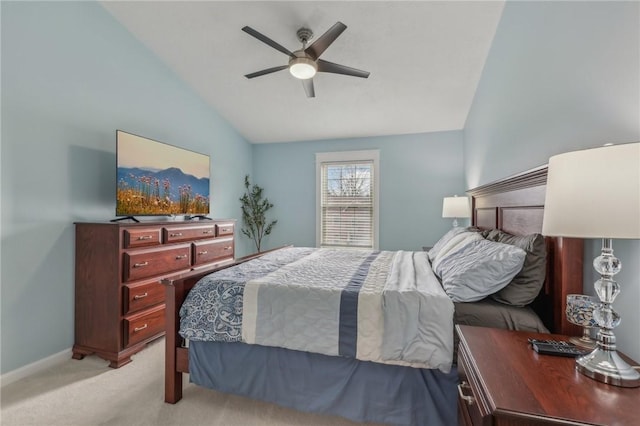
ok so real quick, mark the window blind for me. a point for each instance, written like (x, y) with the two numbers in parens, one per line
(347, 204)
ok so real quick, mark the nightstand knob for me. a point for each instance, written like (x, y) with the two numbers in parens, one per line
(468, 399)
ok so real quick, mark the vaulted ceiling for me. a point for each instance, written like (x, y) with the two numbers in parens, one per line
(425, 60)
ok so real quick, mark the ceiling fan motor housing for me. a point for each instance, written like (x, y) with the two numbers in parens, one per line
(302, 65)
(304, 35)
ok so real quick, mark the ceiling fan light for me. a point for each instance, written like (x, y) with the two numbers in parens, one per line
(302, 68)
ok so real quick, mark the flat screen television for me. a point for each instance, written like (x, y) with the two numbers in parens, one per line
(157, 179)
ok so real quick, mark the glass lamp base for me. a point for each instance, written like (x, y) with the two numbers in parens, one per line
(608, 367)
(583, 341)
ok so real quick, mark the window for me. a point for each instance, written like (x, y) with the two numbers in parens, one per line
(347, 199)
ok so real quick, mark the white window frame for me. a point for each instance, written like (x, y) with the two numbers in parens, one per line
(347, 156)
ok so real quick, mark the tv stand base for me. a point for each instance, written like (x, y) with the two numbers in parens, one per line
(199, 217)
(125, 218)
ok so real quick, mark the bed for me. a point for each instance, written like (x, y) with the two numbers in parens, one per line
(389, 381)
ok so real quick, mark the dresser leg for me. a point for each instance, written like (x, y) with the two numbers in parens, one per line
(120, 362)
(78, 353)
(115, 361)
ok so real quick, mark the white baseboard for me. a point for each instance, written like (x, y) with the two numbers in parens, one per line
(34, 367)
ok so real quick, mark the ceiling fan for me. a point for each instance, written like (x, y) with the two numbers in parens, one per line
(305, 63)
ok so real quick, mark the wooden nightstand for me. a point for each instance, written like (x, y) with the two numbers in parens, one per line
(504, 382)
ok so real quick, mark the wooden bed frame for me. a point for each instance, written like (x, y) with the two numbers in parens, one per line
(176, 353)
(514, 205)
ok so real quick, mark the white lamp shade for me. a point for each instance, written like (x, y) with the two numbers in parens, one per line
(594, 193)
(455, 207)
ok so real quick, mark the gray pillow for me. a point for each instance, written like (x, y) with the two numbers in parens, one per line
(478, 269)
(526, 285)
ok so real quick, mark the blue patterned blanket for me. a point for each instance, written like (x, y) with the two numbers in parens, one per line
(212, 310)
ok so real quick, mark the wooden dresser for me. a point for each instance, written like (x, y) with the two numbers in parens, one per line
(119, 301)
(504, 382)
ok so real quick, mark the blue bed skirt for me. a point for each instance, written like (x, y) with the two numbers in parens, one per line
(358, 390)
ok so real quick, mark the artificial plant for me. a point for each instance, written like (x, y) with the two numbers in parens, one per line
(254, 208)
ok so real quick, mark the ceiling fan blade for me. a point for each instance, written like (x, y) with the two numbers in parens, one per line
(263, 38)
(320, 45)
(326, 66)
(267, 71)
(308, 87)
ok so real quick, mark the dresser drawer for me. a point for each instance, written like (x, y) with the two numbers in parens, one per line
(156, 262)
(143, 326)
(142, 296)
(176, 234)
(142, 237)
(212, 250)
(224, 229)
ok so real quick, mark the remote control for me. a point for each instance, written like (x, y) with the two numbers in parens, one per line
(559, 349)
(551, 342)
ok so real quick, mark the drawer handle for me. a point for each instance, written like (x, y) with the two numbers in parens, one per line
(145, 237)
(207, 231)
(140, 265)
(177, 234)
(140, 296)
(228, 248)
(224, 230)
(135, 330)
(202, 252)
(182, 256)
(468, 399)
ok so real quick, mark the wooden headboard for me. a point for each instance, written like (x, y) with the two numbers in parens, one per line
(516, 205)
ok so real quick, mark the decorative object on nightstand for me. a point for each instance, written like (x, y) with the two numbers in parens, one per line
(595, 193)
(455, 207)
(579, 311)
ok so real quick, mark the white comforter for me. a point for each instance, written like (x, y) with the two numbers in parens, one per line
(386, 307)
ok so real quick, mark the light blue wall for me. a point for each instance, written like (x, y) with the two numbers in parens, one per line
(561, 76)
(416, 172)
(71, 76)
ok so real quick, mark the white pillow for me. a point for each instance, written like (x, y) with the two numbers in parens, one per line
(456, 243)
(479, 269)
(443, 240)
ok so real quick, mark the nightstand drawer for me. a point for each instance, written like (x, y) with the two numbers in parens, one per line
(469, 396)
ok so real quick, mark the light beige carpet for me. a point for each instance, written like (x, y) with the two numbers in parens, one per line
(88, 392)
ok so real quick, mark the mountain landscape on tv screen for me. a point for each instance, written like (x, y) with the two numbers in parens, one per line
(161, 192)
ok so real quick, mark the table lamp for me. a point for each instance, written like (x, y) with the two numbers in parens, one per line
(595, 193)
(455, 207)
